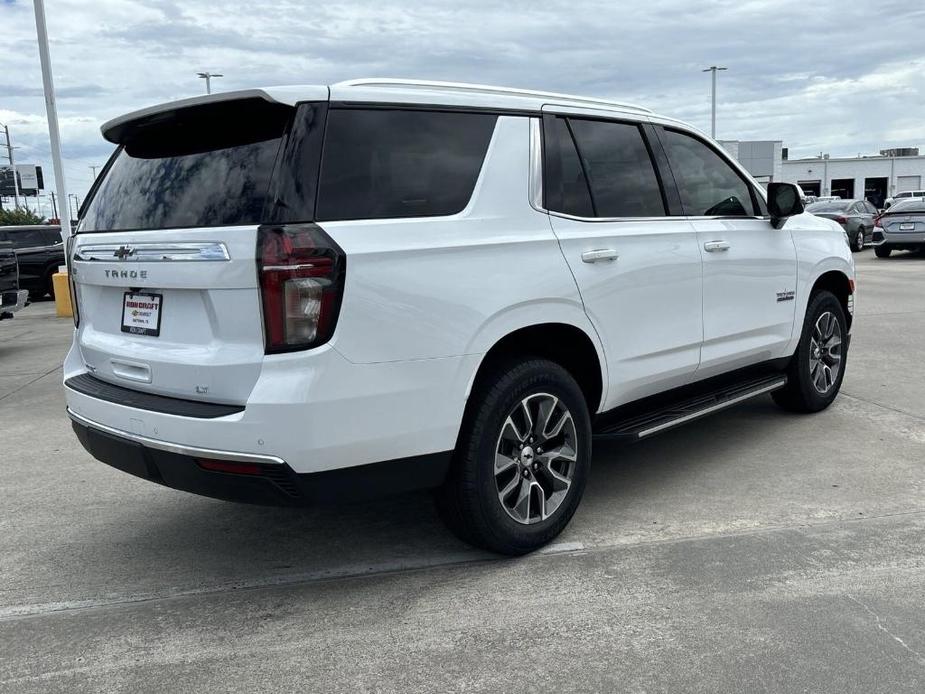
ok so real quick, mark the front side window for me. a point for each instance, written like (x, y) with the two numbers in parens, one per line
(385, 163)
(708, 185)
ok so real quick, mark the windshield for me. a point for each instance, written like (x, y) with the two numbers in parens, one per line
(209, 166)
(909, 205)
(829, 206)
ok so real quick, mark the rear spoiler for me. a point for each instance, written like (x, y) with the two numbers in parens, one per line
(118, 128)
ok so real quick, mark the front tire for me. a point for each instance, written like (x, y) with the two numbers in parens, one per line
(522, 458)
(883, 251)
(816, 370)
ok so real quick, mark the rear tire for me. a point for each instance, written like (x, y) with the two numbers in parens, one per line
(883, 251)
(504, 492)
(816, 370)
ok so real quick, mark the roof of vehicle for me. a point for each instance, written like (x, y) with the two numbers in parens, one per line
(385, 90)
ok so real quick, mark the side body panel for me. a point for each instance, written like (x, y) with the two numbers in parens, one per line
(748, 292)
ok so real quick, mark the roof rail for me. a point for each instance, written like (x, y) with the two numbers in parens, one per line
(485, 89)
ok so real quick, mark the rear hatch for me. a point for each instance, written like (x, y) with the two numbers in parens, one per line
(905, 221)
(164, 260)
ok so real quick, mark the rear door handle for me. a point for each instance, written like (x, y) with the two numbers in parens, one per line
(598, 255)
(713, 246)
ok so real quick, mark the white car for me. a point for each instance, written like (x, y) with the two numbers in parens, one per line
(304, 294)
(902, 196)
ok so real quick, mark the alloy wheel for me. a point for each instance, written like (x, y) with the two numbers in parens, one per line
(535, 458)
(825, 353)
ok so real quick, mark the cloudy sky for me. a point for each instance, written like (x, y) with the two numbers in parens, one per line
(840, 76)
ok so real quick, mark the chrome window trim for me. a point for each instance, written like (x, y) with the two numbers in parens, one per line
(536, 166)
(154, 252)
(177, 448)
(661, 218)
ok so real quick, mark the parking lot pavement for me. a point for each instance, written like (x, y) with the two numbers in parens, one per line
(751, 551)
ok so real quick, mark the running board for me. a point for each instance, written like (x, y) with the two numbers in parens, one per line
(674, 414)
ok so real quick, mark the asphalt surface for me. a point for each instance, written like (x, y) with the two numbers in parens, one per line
(751, 551)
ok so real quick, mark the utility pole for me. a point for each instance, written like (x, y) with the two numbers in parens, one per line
(9, 154)
(93, 169)
(713, 69)
(51, 108)
(207, 76)
(76, 205)
(54, 206)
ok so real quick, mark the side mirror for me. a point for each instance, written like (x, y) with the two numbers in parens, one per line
(783, 201)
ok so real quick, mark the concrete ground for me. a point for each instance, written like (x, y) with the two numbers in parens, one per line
(751, 551)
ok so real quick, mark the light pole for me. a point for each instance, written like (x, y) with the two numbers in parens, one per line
(207, 76)
(93, 169)
(713, 69)
(51, 108)
(9, 153)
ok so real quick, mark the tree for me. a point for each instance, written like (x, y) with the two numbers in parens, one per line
(19, 215)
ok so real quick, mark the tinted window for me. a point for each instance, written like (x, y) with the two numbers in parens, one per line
(829, 206)
(51, 236)
(27, 238)
(564, 184)
(381, 163)
(914, 205)
(208, 166)
(708, 185)
(620, 172)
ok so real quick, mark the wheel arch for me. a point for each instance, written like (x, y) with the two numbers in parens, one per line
(840, 285)
(566, 344)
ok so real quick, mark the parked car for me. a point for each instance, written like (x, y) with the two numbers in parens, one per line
(40, 252)
(901, 228)
(12, 298)
(295, 294)
(855, 216)
(889, 202)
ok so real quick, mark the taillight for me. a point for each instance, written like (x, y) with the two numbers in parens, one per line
(840, 219)
(71, 284)
(301, 273)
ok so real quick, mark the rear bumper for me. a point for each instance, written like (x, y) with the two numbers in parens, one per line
(898, 240)
(13, 301)
(250, 478)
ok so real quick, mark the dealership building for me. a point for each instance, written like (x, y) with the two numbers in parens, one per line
(874, 177)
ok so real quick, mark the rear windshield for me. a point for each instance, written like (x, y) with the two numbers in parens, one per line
(913, 205)
(834, 206)
(196, 167)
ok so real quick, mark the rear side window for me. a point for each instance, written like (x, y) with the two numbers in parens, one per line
(708, 185)
(383, 163)
(195, 167)
(565, 186)
(619, 170)
(27, 238)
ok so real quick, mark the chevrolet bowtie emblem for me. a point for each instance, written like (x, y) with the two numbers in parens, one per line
(123, 252)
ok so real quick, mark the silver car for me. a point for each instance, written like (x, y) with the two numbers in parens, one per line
(900, 228)
(855, 216)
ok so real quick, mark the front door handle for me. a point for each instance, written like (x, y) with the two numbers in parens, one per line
(713, 246)
(598, 255)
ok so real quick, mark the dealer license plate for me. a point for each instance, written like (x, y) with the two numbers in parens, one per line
(141, 314)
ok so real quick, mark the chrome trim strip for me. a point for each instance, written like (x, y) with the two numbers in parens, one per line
(714, 408)
(536, 166)
(662, 218)
(175, 447)
(153, 252)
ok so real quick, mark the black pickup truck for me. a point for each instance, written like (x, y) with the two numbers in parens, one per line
(40, 251)
(12, 298)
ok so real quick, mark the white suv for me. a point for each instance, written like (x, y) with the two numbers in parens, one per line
(301, 294)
